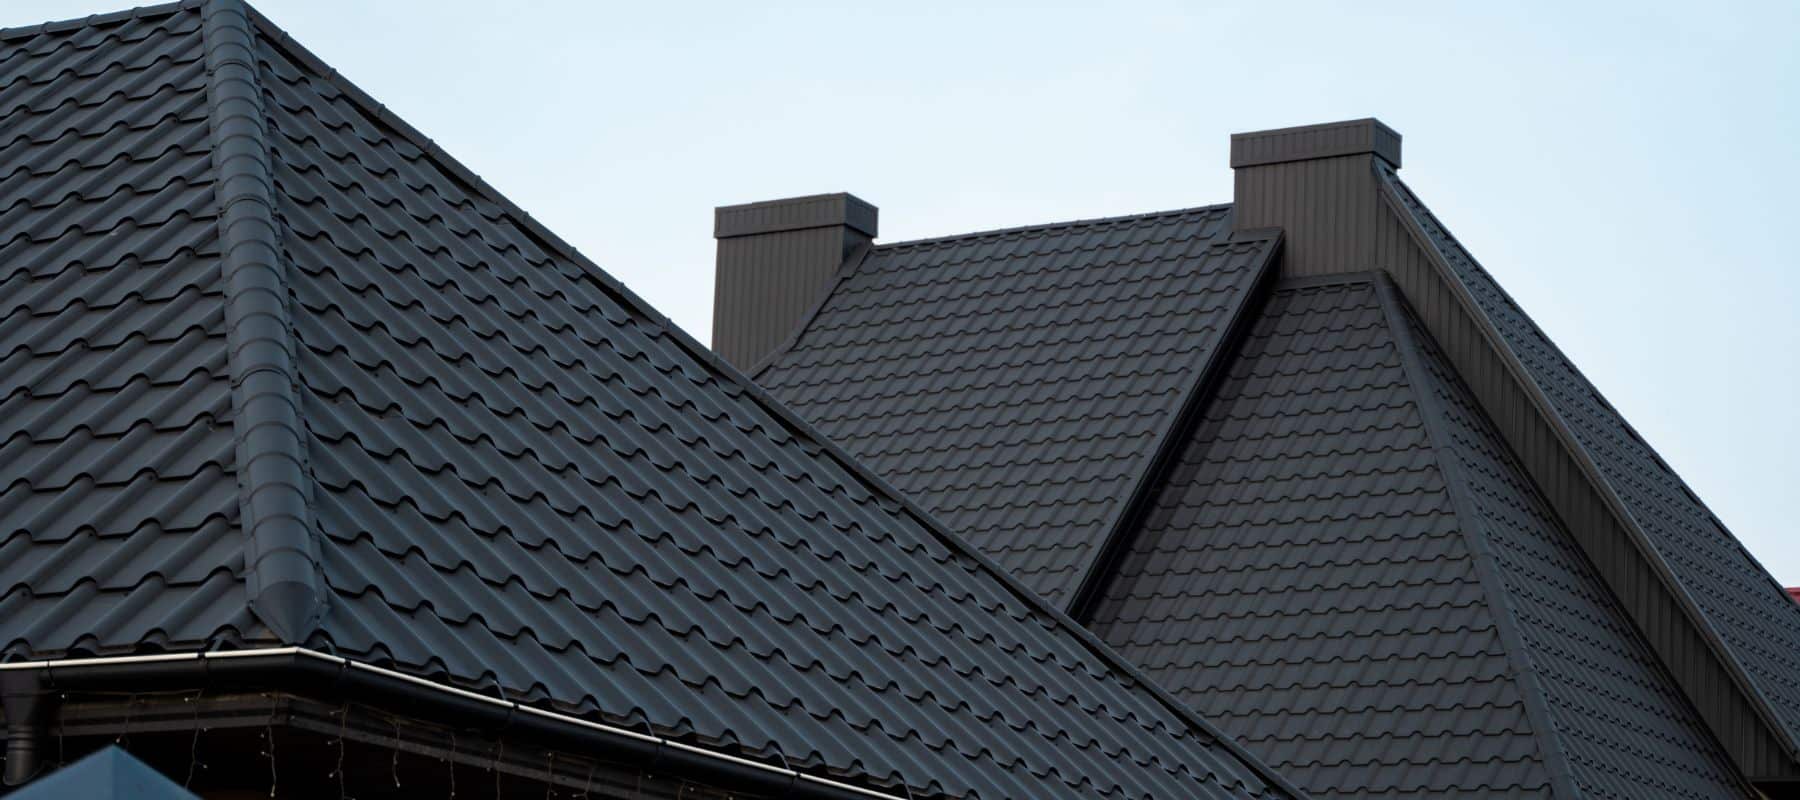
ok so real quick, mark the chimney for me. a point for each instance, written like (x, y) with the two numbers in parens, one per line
(776, 259)
(1317, 183)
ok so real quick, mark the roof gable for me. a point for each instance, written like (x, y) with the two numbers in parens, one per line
(1724, 633)
(429, 435)
(1348, 572)
(1622, 724)
(1018, 383)
(1701, 572)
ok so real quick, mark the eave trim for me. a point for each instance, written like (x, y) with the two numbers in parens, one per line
(293, 661)
(732, 377)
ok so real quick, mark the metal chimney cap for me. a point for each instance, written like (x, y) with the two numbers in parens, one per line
(1306, 142)
(796, 213)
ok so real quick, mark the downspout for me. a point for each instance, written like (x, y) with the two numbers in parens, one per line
(26, 701)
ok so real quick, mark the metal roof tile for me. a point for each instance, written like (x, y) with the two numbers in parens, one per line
(1017, 383)
(520, 480)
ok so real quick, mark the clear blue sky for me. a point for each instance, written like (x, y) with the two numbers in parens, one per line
(1629, 171)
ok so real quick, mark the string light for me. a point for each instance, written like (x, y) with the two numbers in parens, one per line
(394, 766)
(554, 779)
(194, 743)
(269, 736)
(453, 765)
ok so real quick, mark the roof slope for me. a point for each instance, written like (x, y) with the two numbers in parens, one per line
(1016, 384)
(1346, 570)
(1737, 599)
(1622, 723)
(458, 449)
(118, 510)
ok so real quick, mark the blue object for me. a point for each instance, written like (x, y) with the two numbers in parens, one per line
(106, 774)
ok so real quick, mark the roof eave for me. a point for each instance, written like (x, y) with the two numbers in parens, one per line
(730, 375)
(307, 671)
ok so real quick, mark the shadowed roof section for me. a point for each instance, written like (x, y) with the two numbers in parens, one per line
(1749, 617)
(514, 476)
(1347, 571)
(1396, 553)
(1017, 384)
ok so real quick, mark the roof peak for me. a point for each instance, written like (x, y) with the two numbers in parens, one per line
(391, 343)
(1217, 208)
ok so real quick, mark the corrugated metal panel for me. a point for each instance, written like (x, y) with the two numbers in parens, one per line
(1327, 209)
(766, 284)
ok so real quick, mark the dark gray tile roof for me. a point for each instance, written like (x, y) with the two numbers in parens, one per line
(1016, 384)
(118, 508)
(489, 463)
(1746, 609)
(1345, 570)
(1624, 727)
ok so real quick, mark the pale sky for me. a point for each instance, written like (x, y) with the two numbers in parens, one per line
(1629, 171)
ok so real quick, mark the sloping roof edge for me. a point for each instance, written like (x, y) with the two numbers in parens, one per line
(1168, 442)
(730, 375)
(1520, 375)
(282, 569)
(1487, 572)
(862, 253)
(1051, 226)
(141, 12)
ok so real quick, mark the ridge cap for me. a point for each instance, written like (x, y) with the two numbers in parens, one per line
(1520, 666)
(731, 378)
(1216, 208)
(281, 552)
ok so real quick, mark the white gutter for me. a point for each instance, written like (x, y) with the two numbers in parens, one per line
(271, 652)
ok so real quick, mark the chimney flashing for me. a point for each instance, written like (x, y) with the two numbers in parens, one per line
(795, 213)
(1307, 142)
(776, 260)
